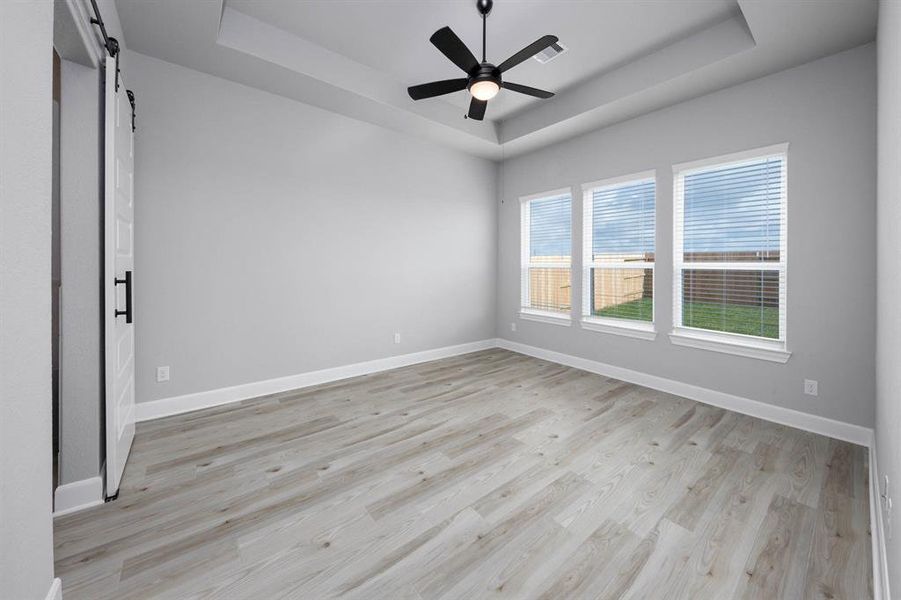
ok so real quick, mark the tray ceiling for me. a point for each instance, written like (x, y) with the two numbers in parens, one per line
(624, 57)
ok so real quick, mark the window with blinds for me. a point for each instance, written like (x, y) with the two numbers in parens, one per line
(730, 246)
(547, 254)
(618, 253)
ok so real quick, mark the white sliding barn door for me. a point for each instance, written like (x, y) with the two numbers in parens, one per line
(118, 278)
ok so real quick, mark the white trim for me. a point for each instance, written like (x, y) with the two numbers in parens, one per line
(545, 317)
(731, 346)
(735, 158)
(165, 407)
(525, 254)
(738, 345)
(81, 20)
(678, 246)
(56, 590)
(609, 182)
(78, 495)
(848, 432)
(839, 430)
(549, 194)
(877, 534)
(628, 327)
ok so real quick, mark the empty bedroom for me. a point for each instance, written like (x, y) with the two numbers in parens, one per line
(450, 299)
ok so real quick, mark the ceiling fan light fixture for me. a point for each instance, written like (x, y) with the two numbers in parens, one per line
(484, 90)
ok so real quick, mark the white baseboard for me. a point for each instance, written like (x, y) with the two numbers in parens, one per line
(56, 590)
(877, 534)
(785, 416)
(189, 402)
(78, 495)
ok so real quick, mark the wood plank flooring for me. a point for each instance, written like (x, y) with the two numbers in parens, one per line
(489, 475)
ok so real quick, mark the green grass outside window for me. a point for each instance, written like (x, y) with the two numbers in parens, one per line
(731, 318)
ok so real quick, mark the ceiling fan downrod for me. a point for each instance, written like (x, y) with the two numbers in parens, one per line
(484, 7)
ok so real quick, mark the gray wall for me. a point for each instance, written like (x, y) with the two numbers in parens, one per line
(826, 111)
(275, 238)
(81, 401)
(888, 318)
(26, 542)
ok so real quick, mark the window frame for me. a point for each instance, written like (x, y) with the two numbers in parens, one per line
(775, 350)
(626, 327)
(525, 262)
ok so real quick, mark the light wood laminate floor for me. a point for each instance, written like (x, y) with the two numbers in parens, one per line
(488, 475)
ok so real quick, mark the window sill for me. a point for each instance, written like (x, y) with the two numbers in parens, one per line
(545, 317)
(641, 331)
(731, 344)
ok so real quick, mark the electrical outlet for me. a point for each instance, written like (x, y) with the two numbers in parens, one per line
(396, 338)
(810, 387)
(162, 374)
(512, 326)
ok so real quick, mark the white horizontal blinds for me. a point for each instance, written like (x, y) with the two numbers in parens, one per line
(730, 233)
(547, 253)
(619, 251)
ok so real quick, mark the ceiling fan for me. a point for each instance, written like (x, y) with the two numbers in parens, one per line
(483, 80)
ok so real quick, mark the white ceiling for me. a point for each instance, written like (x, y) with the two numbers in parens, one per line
(393, 36)
(625, 57)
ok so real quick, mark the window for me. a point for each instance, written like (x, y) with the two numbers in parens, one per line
(547, 257)
(618, 255)
(730, 254)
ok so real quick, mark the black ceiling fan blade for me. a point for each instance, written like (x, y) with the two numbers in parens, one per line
(453, 47)
(527, 52)
(477, 109)
(436, 88)
(524, 89)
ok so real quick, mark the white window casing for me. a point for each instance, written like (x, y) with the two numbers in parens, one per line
(725, 258)
(546, 257)
(618, 255)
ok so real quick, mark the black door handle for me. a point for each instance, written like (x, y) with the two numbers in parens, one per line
(127, 311)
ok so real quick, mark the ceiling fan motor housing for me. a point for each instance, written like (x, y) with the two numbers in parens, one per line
(485, 72)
